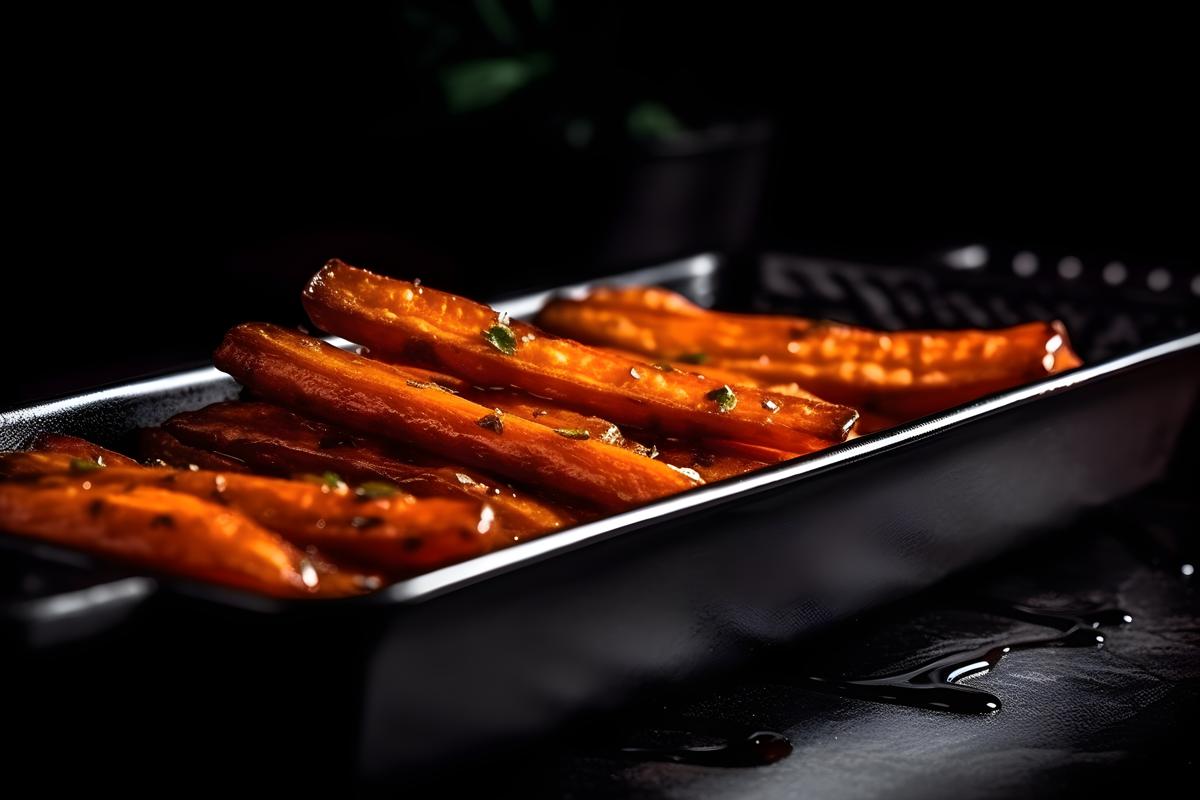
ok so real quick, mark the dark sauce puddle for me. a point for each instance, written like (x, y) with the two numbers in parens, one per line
(936, 685)
(755, 750)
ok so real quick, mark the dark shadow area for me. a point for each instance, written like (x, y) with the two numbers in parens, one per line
(172, 175)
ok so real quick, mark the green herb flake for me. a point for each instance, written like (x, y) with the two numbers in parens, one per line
(724, 398)
(501, 337)
(664, 367)
(376, 490)
(694, 358)
(86, 464)
(573, 433)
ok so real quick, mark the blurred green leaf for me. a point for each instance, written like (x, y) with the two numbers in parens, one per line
(652, 120)
(474, 85)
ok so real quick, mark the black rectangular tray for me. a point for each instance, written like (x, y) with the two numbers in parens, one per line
(481, 656)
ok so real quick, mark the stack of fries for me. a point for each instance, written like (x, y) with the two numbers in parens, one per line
(456, 430)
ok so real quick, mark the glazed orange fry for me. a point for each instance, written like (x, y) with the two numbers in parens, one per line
(904, 374)
(156, 444)
(417, 324)
(319, 379)
(273, 439)
(377, 526)
(80, 448)
(547, 413)
(705, 461)
(167, 531)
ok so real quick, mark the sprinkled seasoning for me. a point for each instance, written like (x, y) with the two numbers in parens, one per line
(501, 337)
(492, 421)
(724, 398)
(375, 490)
(770, 405)
(573, 433)
(691, 473)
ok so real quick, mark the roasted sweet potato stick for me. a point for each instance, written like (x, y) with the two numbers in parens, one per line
(706, 462)
(168, 531)
(365, 395)
(903, 375)
(421, 325)
(80, 448)
(547, 413)
(273, 439)
(155, 444)
(376, 525)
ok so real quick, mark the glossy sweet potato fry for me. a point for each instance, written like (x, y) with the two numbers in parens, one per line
(421, 325)
(365, 395)
(377, 527)
(155, 444)
(167, 531)
(707, 462)
(80, 448)
(547, 413)
(903, 374)
(273, 439)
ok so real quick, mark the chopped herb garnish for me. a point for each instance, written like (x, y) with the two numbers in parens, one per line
(501, 337)
(492, 421)
(694, 358)
(419, 384)
(724, 398)
(327, 480)
(770, 405)
(86, 464)
(664, 367)
(573, 433)
(376, 490)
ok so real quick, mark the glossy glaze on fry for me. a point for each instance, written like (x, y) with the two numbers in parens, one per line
(275, 440)
(903, 374)
(416, 324)
(80, 448)
(379, 399)
(156, 445)
(376, 527)
(168, 531)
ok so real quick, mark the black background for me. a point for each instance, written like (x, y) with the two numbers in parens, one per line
(173, 172)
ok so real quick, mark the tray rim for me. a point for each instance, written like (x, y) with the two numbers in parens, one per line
(458, 576)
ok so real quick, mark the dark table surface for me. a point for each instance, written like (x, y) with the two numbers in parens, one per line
(1096, 719)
